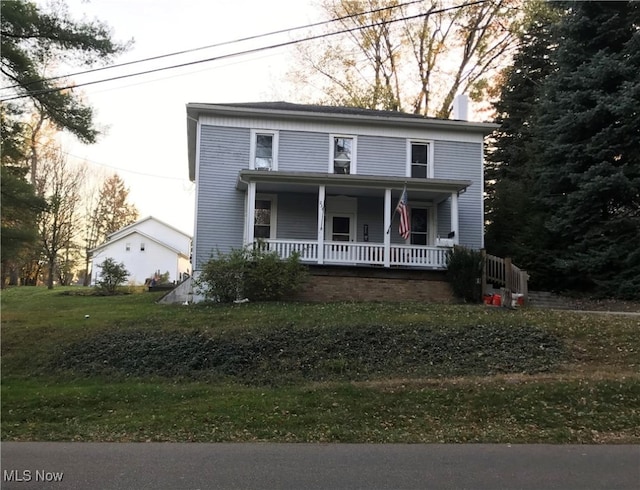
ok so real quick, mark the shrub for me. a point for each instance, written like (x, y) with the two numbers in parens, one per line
(159, 279)
(112, 275)
(464, 271)
(252, 273)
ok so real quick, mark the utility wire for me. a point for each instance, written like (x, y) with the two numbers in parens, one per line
(144, 174)
(245, 52)
(216, 45)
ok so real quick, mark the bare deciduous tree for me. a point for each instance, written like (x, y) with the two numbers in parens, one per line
(411, 56)
(59, 226)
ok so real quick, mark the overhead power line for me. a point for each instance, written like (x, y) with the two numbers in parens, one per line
(210, 46)
(247, 51)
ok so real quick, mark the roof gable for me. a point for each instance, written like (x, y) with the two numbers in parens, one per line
(137, 232)
(139, 222)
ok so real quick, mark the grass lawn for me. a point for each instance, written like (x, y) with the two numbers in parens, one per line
(134, 370)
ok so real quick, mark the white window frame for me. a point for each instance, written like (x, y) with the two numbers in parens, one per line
(254, 144)
(127, 247)
(430, 157)
(143, 246)
(354, 152)
(274, 214)
(432, 220)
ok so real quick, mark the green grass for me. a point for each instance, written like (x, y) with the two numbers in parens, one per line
(342, 372)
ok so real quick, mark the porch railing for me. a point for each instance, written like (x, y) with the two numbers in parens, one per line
(308, 249)
(353, 253)
(502, 271)
(419, 256)
(359, 253)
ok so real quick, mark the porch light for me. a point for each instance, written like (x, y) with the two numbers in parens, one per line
(341, 162)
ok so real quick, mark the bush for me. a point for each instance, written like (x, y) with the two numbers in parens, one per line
(112, 275)
(464, 271)
(251, 273)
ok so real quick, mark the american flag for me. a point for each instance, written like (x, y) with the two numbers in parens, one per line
(402, 208)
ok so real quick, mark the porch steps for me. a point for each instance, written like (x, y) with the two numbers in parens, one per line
(179, 294)
(548, 300)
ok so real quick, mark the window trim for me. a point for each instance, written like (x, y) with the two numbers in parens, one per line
(430, 157)
(353, 168)
(273, 224)
(143, 246)
(254, 143)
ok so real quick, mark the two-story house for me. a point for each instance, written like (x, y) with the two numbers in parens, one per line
(326, 182)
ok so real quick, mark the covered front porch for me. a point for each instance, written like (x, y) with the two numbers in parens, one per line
(351, 219)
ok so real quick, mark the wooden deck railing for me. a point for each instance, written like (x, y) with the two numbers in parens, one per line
(503, 272)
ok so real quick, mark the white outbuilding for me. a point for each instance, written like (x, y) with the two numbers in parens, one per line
(148, 248)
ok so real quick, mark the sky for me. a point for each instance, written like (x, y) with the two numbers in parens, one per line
(143, 118)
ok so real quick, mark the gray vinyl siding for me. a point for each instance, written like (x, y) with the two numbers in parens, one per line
(370, 212)
(298, 219)
(220, 210)
(458, 160)
(301, 151)
(297, 216)
(443, 219)
(382, 156)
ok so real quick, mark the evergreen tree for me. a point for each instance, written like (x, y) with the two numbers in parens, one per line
(31, 38)
(587, 170)
(20, 206)
(515, 220)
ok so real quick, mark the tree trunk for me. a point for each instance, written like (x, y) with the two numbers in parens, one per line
(52, 264)
(87, 278)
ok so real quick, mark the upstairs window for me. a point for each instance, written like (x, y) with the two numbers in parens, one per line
(264, 146)
(342, 155)
(420, 160)
(127, 247)
(142, 247)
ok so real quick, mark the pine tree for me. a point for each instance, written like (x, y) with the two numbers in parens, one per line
(515, 221)
(587, 169)
(20, 205)
(30, 38)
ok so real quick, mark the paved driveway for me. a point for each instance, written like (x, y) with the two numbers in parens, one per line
(317, 466)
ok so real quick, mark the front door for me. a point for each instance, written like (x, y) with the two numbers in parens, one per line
(419, 225)
(340, 228)
(340, 231)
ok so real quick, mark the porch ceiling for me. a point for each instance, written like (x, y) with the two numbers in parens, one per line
(353, 185)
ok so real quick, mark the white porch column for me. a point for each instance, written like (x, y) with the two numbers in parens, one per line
(251, 213)
(321, 208)
(387, 227)
(454, 218)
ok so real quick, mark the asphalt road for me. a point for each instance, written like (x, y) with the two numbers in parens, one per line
(318, 466)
